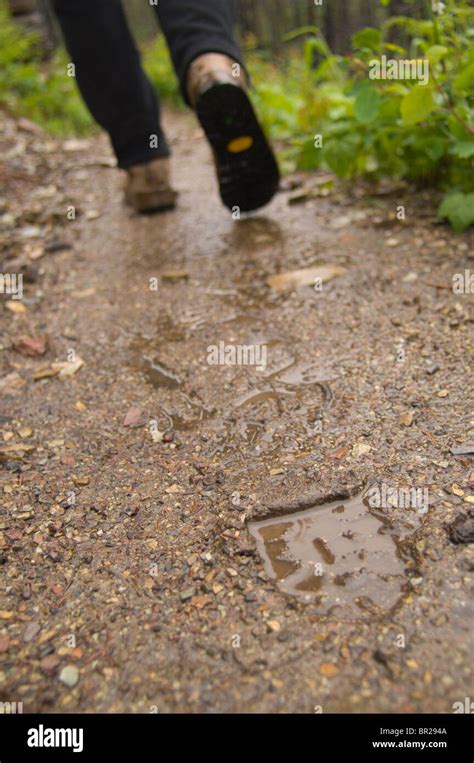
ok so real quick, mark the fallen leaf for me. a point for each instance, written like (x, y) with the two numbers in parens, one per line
(407, 418)
(134, 418)
(328, 669)
(4, 644)
(305, 277)
(18, 308)
(31, 347)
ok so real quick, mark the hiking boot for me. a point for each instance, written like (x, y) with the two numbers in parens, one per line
(148, 187)
(246, 167)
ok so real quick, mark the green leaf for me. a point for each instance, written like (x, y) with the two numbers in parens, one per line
(458, 209)
(463, 148)
(367, 38)
(435, 53)
(464, 80)
(367, 105)
(417, 104)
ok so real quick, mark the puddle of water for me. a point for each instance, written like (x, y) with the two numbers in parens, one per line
(159, 375)
(339, 556)
(254, 396)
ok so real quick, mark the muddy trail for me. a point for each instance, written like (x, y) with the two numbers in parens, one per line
(220, 492)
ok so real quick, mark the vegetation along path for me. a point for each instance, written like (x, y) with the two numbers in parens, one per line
(160, 390)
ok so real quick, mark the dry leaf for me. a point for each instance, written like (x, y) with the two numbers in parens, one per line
(18, 308)
(328, 669)
(306, 277)
(31, 347)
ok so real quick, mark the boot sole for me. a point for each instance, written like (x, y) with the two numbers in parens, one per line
(151, 203)
(246, 166)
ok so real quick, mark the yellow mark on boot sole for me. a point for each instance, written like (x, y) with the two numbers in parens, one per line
(238, 145)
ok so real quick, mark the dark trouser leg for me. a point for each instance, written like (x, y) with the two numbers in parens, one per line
(110, 77)
(193, 27)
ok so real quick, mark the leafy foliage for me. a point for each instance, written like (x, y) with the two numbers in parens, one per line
(400, 128)
(369, 128)
(30, 87)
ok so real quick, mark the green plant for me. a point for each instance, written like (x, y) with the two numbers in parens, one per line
(421, 131)
(30, 87)
(158, 66)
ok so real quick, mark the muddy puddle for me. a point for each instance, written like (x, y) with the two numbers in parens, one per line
(339, 556)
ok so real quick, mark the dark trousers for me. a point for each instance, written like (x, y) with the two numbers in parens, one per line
(108, 70)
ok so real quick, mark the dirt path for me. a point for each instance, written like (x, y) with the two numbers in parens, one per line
(127, 558)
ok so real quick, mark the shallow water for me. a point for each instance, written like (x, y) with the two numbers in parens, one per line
(340, 555)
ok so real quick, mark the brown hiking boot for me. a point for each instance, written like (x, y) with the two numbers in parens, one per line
(211, 69)
(148, 187)
(246, 167)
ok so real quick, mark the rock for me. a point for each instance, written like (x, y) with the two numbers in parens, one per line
(187, 594)
(462, 529)
(31, 630)
(69, 676)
